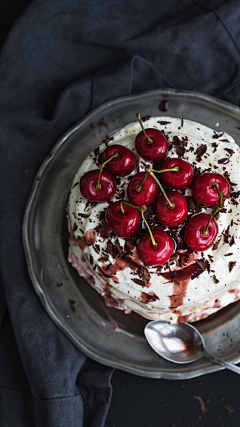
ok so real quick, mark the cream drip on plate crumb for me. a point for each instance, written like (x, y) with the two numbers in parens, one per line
(191, 285)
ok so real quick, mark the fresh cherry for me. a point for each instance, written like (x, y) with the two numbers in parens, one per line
(207, 186)
(142, 189)
(158, 253)
(201, 231)
(151, 144)
(182, 175)
(98, 186)
(123, 219)
(175, 215)
(124, 162)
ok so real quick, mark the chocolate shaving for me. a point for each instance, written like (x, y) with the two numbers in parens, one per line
(200, 262)
(229, 254)
(223, 161)
(217, 135)
(145, 118)
(163, 123)
(96, 248)
(214, 145)
(184, 141)
(196, 273)
(228, 408)
(119, 248)
(215, 279)
(147, 298)
(231, 265)
(103, 259)
(202, 404)
(226, 235)
(235, 194)
(74, 185)
(180, 151)
(176, 141)
(143, 273)
(200, 151)
(232, 241)
(229, 150)
(85, 215)
(96, 151)
(139, 282)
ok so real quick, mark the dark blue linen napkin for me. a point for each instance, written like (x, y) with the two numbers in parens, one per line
(61, 59)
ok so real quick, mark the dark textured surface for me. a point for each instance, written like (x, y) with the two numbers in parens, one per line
(60, 60)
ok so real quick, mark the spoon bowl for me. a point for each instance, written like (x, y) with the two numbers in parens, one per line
(181, 343)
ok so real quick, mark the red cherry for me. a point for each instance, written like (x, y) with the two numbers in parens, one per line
(151, 151)
(171, 217)
(149, 190)
(194, 236)
(107, 188)
(204, 190)
(155, 255)
(122, 165)
(124, 223)
(182, 178)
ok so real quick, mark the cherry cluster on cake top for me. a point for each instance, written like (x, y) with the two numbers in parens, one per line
(145, 188)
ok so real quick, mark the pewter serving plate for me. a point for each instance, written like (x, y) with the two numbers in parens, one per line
(104, 334)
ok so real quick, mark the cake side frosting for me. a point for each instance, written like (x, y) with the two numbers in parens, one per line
(191, 285)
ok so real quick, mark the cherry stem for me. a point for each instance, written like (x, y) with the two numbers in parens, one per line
(114, 156)
(174, 169)
(205, 231)
(138, 188)
(139, 208)
(221, 198)
(149, 229)
(98, 185)
(149, 170)
(150, 141)
(122, 210)
(101, 167)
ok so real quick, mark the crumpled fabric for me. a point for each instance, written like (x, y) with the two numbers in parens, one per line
(62, 59)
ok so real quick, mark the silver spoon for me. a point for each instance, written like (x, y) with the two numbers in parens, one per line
(180, 343)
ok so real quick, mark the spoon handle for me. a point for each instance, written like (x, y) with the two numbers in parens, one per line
(221, 362)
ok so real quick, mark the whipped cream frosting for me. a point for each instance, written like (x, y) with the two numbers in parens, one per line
(191, 285)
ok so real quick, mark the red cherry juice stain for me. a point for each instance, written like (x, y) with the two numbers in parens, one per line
(163, 106)
(183, 319)
(217, 304)
(107, 271)
(145, 298)
(180, 279)
(236, 292)
(88, 239)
